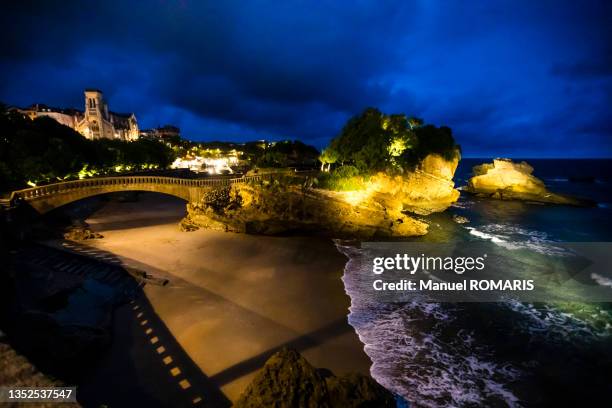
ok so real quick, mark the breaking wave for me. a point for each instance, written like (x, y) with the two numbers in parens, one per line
(414, 357)
(512, 237)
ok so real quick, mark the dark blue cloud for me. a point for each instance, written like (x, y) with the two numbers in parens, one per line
(514, 78)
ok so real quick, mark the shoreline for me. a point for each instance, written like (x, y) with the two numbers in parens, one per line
(235, 299)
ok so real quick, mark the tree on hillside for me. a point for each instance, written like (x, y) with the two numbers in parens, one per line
(328, 157)
(432, 139)
(43, 151)
(414, 122)
(285, 153)
(363, 141)
(374, 141)
(38, 149)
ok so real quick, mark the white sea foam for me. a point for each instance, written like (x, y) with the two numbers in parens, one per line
(553, 323)
(419, 365)
(512, 237)
(601, 280)
(491, 237)
(411, 356)
(463, 204)
(414, 356)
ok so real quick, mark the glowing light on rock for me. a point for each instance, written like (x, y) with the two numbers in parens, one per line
(87, 172)
(397, 147)
(357, 197)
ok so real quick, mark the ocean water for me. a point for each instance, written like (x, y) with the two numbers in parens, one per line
(507, 353)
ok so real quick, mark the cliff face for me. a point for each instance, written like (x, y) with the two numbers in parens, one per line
(505, 180)
(427, 189)
(378, 210)
(270, 208)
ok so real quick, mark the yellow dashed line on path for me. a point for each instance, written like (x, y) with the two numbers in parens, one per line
(167, 360)
(139, 315)
(197, 400)
(154, 340)
(185, 384)
(160, 349)
(144, 322)
(149, 331)
(175, 371)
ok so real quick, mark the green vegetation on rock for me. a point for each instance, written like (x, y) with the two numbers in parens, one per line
(286, 153)
(343, 178)
(374, 141)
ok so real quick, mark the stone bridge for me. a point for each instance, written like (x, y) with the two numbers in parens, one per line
(46, 198)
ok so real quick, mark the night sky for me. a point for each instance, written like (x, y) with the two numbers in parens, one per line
(514, 78)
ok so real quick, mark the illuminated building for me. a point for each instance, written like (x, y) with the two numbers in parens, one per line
(98, 122)
(216, 162)
(163, 132)
(95, 122)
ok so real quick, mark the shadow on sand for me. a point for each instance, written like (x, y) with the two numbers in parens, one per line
(144, 365)
(148, 328)
(147, 367)
(302, 343)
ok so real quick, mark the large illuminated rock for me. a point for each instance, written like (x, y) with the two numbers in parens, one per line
(505, 180)
(378, 210)
(428, 188)
(272, 208)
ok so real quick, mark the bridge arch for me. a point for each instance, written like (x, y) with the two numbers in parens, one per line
(46, 198)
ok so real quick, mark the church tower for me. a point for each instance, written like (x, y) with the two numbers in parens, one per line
(96, 115)
(97, 122)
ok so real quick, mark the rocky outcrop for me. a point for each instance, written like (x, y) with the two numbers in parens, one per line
(81, 232)
(281, 205)
(505, 180)
(273, 207)
(288, 380)
(357, 391)
(427, 189)
(459, 219)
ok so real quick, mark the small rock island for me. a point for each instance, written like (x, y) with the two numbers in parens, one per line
(505, 180)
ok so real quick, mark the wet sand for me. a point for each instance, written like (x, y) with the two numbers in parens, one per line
(234, 299)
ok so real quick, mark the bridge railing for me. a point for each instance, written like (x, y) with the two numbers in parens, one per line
(50, 189)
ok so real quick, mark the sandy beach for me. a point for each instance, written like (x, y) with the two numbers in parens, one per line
(234, 299)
